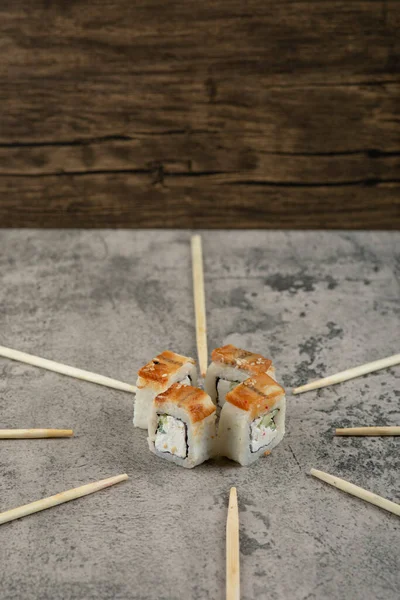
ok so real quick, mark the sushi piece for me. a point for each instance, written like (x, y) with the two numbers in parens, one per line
(230, 366)
(156, 377)
(182, 426)
(252, 419)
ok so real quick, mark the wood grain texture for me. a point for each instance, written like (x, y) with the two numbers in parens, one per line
(213, 114)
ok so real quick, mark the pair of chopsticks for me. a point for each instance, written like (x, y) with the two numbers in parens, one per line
(51, 365)
(201, 336)
(351, 374)
(232, 528)
(201, 333)
(232, 525)
(8, 434)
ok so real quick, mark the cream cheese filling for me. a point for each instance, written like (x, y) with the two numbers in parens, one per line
(263, 431)
(171, 436)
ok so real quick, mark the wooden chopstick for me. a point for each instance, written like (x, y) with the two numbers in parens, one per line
(354, 490)
(50, 365)
(199, 303)
(22, 434)
(368, 431)
(84, 490)
(390, 361)
(232, 549)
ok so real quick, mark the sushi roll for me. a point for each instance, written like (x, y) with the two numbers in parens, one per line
(156, 377)
(230, 366)
(252, 419)
(182, 426)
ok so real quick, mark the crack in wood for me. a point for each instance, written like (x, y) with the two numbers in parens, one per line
(370, 152)
(290, 184)
(159, 176)
(158, 172)
(338, 84)
(225, 115)
(108, 138)
(78, 142)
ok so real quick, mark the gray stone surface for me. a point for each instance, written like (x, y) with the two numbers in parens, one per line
(108, 301)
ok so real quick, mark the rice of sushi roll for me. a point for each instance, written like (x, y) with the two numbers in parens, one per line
(230, 366)
(182, 426)
(252, 419)
(157, 376)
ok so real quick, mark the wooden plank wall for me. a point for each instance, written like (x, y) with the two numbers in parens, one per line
(224, 113)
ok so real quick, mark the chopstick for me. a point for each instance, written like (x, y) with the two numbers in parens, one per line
(22, 434)
(354, 490)
(232, 549)
(199, 303)
(84, 490)
(50, 365)
(383, 363)
(368, 431)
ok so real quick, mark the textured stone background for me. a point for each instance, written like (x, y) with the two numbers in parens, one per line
(108, 301)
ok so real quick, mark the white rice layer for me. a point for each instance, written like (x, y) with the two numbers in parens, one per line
(226, 375)
(219, 378)
(223, 387)
(238, 437)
